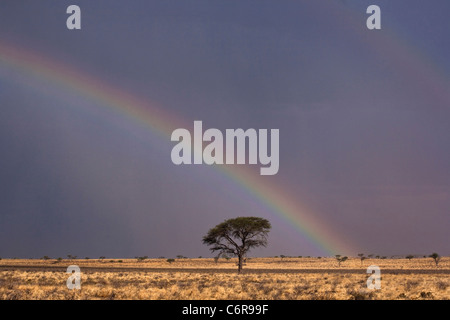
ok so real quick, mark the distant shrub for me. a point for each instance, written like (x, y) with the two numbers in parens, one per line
(436, 257)
(361, 257)
(340, 259)
(170, 260)
(120, 261)
(139, 259)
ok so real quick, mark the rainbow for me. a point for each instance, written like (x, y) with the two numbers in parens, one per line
(160, 121)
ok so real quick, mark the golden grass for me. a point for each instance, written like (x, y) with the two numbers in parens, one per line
(167, 285)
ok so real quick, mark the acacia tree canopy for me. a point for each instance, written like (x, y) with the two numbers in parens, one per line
(237, 236)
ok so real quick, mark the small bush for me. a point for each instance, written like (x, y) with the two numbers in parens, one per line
(436, 257)
(141, 259)
(340, 259)
(170, 260)
(426, 295)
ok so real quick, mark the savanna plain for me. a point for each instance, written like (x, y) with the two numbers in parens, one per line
(275, 278)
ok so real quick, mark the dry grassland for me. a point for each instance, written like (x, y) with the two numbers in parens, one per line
(263, 279)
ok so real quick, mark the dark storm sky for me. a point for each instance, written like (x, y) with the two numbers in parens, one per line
(363, 118)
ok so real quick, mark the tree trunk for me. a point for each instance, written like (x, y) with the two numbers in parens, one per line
(239, 263)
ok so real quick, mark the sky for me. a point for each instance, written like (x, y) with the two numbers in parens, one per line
(363, 118)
